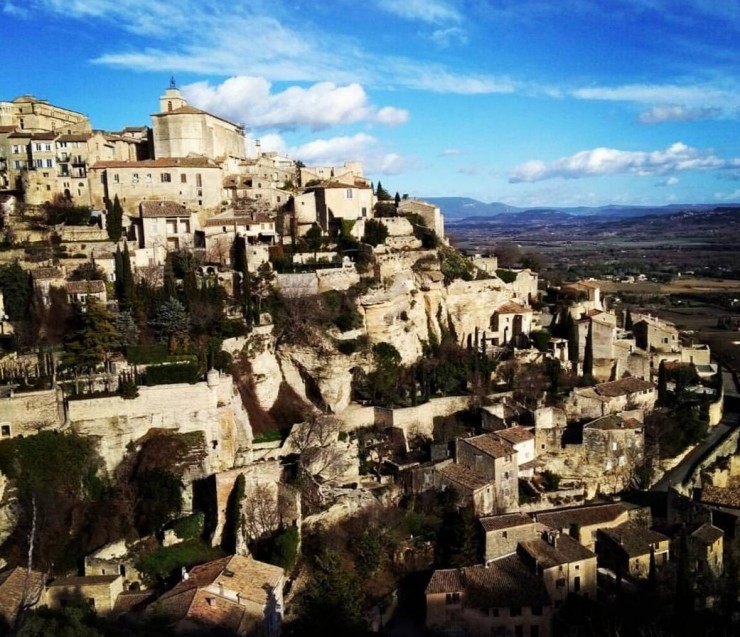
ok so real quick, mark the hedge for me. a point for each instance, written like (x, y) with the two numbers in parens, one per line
(171, 374)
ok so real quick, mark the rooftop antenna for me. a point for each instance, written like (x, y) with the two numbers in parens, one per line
(173, 84)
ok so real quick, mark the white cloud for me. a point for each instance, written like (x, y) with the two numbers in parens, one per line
(446, 37)
(450, 152)
(675, 113)
(653, 94)
(429, 11)
(15, 10)
(335, 150)
(671, 181)
(728, 196)
(609, 161)
(324, 104)
(273, 142)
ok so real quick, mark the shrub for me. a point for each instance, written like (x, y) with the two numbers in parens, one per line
(507, 276)
(189, 527)
(172, 374)
(285, 548)
(168, 561)
(550, 481)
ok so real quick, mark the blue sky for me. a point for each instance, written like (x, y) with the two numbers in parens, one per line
(528, 102)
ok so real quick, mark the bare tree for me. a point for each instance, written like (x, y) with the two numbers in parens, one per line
(260, 511)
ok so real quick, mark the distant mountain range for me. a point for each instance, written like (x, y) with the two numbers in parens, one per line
(465, 209)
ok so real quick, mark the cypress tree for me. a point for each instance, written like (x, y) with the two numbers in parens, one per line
(115, 220)
(662, 384)
(128, 288)
(628, 321)
(119, 274)
(572, 336)
(588, 354)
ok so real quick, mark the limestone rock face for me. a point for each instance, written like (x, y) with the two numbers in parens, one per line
(9, 509)
(413, 306)
(320, 375)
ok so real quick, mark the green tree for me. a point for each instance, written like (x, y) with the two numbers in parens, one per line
(171, 323)
(588, 354)
(17, 289)
(284, 552)
(628, 323)
(331, 603)
(662, 384)
(572, 336)
(314, 239)
(90, 337)
(77, 620)
(376, 232)
(382, 194)
(397, 199)
(234, 515)
(158, 499)
(114, 222)
(128, 332)
(125, 285)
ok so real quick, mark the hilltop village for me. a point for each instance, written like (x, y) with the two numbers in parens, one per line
(243, 395)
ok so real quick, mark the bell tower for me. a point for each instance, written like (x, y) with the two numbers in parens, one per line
(172, 98)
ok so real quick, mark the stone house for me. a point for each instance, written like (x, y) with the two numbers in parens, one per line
(503, 533)
(654, 335)
(194, 182)
(255, 227)
(99, 591)
(629, 548)
(496, 461)
(46, 278)
(522, 440)
(27, 413)
(341, 201)
(431, 214)
(348, 173)
(17, 589)
(549, 428)
(166, 224)
(472, 487)
(509, 321)
(500, 598)
(611, 398)
(603, 326)
(80, 292)
(615, 443)
(706, 545)
(566, 567)
(582, 523)
(235, 593)
(586, 293)
(114, 559)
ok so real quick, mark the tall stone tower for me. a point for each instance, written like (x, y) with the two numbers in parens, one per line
(172, 98)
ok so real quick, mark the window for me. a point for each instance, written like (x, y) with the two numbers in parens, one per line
(515, 611)
(37, 147)
(135, 178)
(576, 584)
(49, 163)
(166, 178)
(198, 181)
(518, 631)
(169, 106)
(614, 446)
(537, 610)
(38, 163)
(452, 598)
(148, 178)
(505, 534)
(560, 582)
(5, 431)
(116, 178)
(534, 631)
(183, 179)
(348, 193)
(47, 148)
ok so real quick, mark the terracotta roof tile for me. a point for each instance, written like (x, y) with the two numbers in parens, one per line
(503, 583)
(12, 587)
(591, 515)
(514, 435)
(490, 444)
(156, 209)
(623, 387)
(85, 287)
(513, 308)
(445, 581)
(633, 539)
(506, 521)
(707, 534)
(164, 162)
(564, 551)
(463, 476)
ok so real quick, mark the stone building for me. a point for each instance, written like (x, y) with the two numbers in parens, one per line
(27, 413)
(349, 173)
(509, 321)
(18, 589)
(81, 292)
(706, 545)
(237, 594)
(98, 591)
(194, 182)
(522, 440)
(472, 488)
(166, 224)
(27, 112)
(502, 597)
(566, 567)
(431, 214)
(496, 461)
(611, 398)
(655, 335)
(337, 201)
(582, 523)
(616, 444)
(629, 548)
(181, 130)
(504, 532)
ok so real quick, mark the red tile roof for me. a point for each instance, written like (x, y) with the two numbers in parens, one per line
(490, 444)
(157, 209)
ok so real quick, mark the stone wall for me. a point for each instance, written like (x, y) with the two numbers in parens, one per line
(292, 285)
(28, 413)
(419, 420)
(214, 410)
(337, 279)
